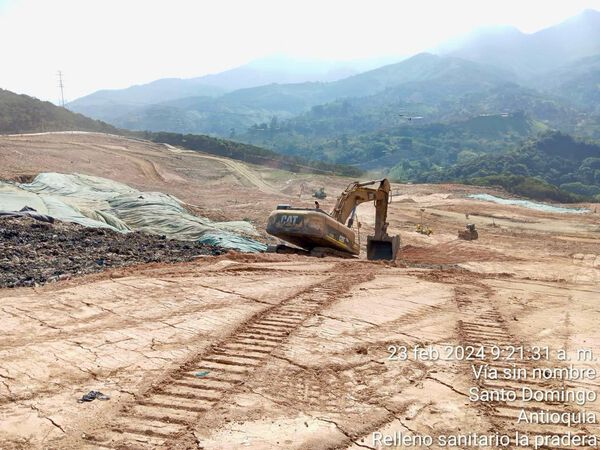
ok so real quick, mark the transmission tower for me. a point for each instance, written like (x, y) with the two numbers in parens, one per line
(62, 88)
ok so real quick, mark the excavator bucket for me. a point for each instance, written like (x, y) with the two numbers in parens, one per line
(382, 249)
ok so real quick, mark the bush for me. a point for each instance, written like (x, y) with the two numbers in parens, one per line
(581, 189)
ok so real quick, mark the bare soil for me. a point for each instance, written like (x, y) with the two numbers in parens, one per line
(285, 351)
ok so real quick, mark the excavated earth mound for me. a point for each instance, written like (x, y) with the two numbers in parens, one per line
(34, 252)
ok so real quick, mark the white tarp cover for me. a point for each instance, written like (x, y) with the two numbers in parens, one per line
(529, 204)
(99, 202)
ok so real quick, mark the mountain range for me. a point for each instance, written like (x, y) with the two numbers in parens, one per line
(529, 55)
(553, 74)
(279, 69)
(483, 95)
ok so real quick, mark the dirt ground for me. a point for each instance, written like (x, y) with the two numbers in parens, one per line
(283, 351)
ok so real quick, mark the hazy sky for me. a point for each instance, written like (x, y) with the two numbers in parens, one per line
(116, 43)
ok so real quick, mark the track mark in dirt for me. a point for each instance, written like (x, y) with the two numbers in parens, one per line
(147, 167)
(168, 411)
(237, 168)
(483, 324)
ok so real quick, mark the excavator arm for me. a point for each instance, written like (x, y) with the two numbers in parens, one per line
(379, 246)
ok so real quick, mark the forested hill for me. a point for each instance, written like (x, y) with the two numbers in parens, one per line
(364, 141)
(24, 114)
(537, 169)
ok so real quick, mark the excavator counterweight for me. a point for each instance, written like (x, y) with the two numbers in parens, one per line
(320, 233)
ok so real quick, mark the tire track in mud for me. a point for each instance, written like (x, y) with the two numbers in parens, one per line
(168, 411)
(108, 319)
(236, 167)
(102, 322)
(483, 324)
(147, 167)
(333, 391)
(72, 332)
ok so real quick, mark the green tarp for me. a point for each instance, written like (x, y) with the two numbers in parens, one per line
(99, 202)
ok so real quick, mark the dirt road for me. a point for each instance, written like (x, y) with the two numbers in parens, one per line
(235, 166)
(285, 351)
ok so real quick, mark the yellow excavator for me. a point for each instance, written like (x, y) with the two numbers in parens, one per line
(320, 233)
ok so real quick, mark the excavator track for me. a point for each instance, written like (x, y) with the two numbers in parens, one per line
(484, 325)
(167, 412)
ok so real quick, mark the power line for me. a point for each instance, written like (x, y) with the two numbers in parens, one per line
(62, 88)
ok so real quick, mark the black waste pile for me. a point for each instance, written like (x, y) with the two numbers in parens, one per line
(34, 252)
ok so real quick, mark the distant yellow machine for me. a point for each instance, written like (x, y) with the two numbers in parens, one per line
(420, 228)
(320, 233)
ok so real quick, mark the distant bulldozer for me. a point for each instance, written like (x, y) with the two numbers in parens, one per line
(469, 233)
(422, 229)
